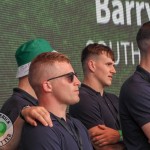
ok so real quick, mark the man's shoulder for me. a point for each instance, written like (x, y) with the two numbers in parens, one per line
(57, 132)
(40, 137)
(16, 102)
(17, 96)
(41, 131)
(84, 89)
(134, 80)
(135, 84)
(13, 104)
(86, 92)
(112, 96)
(18, 99)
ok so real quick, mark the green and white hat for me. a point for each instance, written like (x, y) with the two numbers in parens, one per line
(27, 52)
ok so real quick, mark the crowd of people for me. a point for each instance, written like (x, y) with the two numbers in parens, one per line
(97, 120)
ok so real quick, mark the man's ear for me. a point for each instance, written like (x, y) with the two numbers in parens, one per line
(91, 65)
(47, 87)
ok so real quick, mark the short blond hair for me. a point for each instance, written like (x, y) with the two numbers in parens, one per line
(41, 64)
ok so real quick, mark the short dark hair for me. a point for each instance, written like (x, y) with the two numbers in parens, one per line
(95, 49)
(143, 37)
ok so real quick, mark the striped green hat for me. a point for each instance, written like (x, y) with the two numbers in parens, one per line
(27, 52)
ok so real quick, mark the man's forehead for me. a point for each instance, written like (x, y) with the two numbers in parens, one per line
(107, 55)
(62, 66)
(104, 58)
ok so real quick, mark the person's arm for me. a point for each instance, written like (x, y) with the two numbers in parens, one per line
(36, 113)
(101, 135)
(146, 130)
(31, 115)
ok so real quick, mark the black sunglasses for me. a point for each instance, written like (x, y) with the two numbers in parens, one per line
(69, 75)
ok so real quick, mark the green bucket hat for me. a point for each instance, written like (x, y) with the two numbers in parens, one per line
(27, 52)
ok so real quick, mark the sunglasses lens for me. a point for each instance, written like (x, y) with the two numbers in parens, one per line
(71, 76)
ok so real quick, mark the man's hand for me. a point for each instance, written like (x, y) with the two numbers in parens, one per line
(102, 135)
(36, 113)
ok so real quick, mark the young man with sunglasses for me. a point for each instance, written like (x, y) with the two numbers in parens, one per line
(97, 109)
(56, 86)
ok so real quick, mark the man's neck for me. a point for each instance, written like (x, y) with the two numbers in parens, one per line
(145, 61)
(54, 107)
(25, 85)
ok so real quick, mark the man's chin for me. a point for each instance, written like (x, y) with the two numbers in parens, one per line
(74, 102)
(108, 84)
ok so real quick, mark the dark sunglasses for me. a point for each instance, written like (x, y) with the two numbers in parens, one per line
(69, 75)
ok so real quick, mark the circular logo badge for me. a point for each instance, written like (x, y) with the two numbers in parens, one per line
(6, 129)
